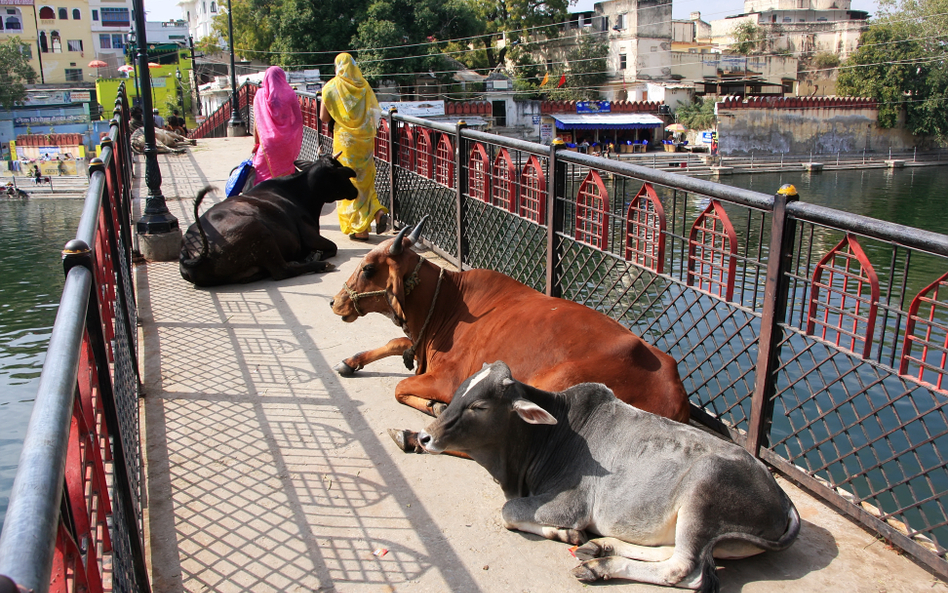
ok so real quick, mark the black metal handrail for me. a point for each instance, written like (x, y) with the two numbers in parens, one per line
(63, 512)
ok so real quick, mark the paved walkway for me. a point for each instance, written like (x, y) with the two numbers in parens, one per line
(266, 471)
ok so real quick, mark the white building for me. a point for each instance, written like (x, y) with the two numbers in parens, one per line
(111, 21)
(799, 27)
(199, 14)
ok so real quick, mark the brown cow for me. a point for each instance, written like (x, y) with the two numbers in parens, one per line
(458, 321)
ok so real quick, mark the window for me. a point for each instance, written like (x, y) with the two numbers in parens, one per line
(105, 41)
(620, 22)
(27, 51)
(622, 62)
(73, 74)
(74, 45)
(213, 7)
(115, 17)
(13, 23)
(787, 19)
(56, 42)
(95, 15)
(118, 41)
(76, 14)
(47, 13)
(44, 46)
(63, 14)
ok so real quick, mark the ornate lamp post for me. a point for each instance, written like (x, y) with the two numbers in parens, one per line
(159, 235)
(132, 41)
(236, 126)
(177, 74)
(194, 74)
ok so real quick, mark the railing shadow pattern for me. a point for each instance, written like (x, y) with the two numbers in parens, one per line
(738, 290)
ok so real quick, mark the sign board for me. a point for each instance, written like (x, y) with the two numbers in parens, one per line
(546, 133)
(706, 137)
(414, 108)
(16, 2)
(536, 119)
(593, 107)
(50, 120)
(80, 96)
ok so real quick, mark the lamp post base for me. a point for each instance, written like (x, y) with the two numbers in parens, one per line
(236, 129)
(160, 246)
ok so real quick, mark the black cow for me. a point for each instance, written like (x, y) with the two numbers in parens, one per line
(668, 497)
(269, 230)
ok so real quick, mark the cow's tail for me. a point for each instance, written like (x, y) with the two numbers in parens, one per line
(205, 247)
(709, 577)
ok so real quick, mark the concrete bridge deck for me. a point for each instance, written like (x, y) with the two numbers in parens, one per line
(266, 471)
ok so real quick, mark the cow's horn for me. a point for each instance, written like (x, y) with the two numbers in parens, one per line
(396, 248)
(507, 382)
(416, 234)
(337, 155)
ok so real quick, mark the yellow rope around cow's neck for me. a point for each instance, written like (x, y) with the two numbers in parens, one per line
(408, 357)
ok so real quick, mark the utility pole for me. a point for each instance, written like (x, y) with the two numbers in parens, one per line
(194, 75)
(236, 126)
(160, 237)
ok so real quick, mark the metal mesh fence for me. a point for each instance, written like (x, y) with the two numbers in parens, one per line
(853, 408)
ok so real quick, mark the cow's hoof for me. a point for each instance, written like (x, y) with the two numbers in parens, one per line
(436, 408)
(406, 440)
(584, 574)
(591, 550)
(326, 267)
(344, 370)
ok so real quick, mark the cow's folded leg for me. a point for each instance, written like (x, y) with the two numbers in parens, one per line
(677, 571)
(541, 515)
(394, 347)
(610, 546)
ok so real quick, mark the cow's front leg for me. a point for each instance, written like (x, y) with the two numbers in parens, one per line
(317, 243)
(558, 517)
(349, 366)
(428, 393)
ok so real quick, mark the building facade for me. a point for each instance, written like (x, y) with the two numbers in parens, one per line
(111, 21)
(59, 37)
(199, 16)
(798, 27)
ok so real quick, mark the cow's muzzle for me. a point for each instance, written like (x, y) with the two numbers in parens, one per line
(427, 443)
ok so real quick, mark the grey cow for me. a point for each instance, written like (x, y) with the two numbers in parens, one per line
(668, 497)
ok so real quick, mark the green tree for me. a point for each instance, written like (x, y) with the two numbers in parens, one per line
(15, 72)
(748, 38)
(253, 34)
(585, 70)
(902, 75)
(399, 38)
(698, 115)
(516, 19)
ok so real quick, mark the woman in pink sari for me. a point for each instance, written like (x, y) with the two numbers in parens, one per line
(278, 126)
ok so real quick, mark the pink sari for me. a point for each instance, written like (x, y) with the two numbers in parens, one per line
(278, 126)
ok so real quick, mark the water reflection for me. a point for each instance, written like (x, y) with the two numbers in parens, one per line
(31, 282)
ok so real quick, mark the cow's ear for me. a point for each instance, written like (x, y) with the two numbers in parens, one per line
(532, 413)
(397, 288)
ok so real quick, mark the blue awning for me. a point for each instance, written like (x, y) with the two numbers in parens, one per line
(606, 121)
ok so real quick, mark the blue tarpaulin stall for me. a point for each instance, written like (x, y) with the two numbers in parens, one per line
(606, 121)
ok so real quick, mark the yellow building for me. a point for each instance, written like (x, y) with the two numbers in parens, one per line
(59, 37)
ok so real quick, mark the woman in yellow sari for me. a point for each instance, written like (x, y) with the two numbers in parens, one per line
(348, 99)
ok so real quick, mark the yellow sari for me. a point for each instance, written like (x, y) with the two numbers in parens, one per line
(353, 106)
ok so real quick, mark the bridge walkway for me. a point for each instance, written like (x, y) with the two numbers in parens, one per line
(266, 471)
